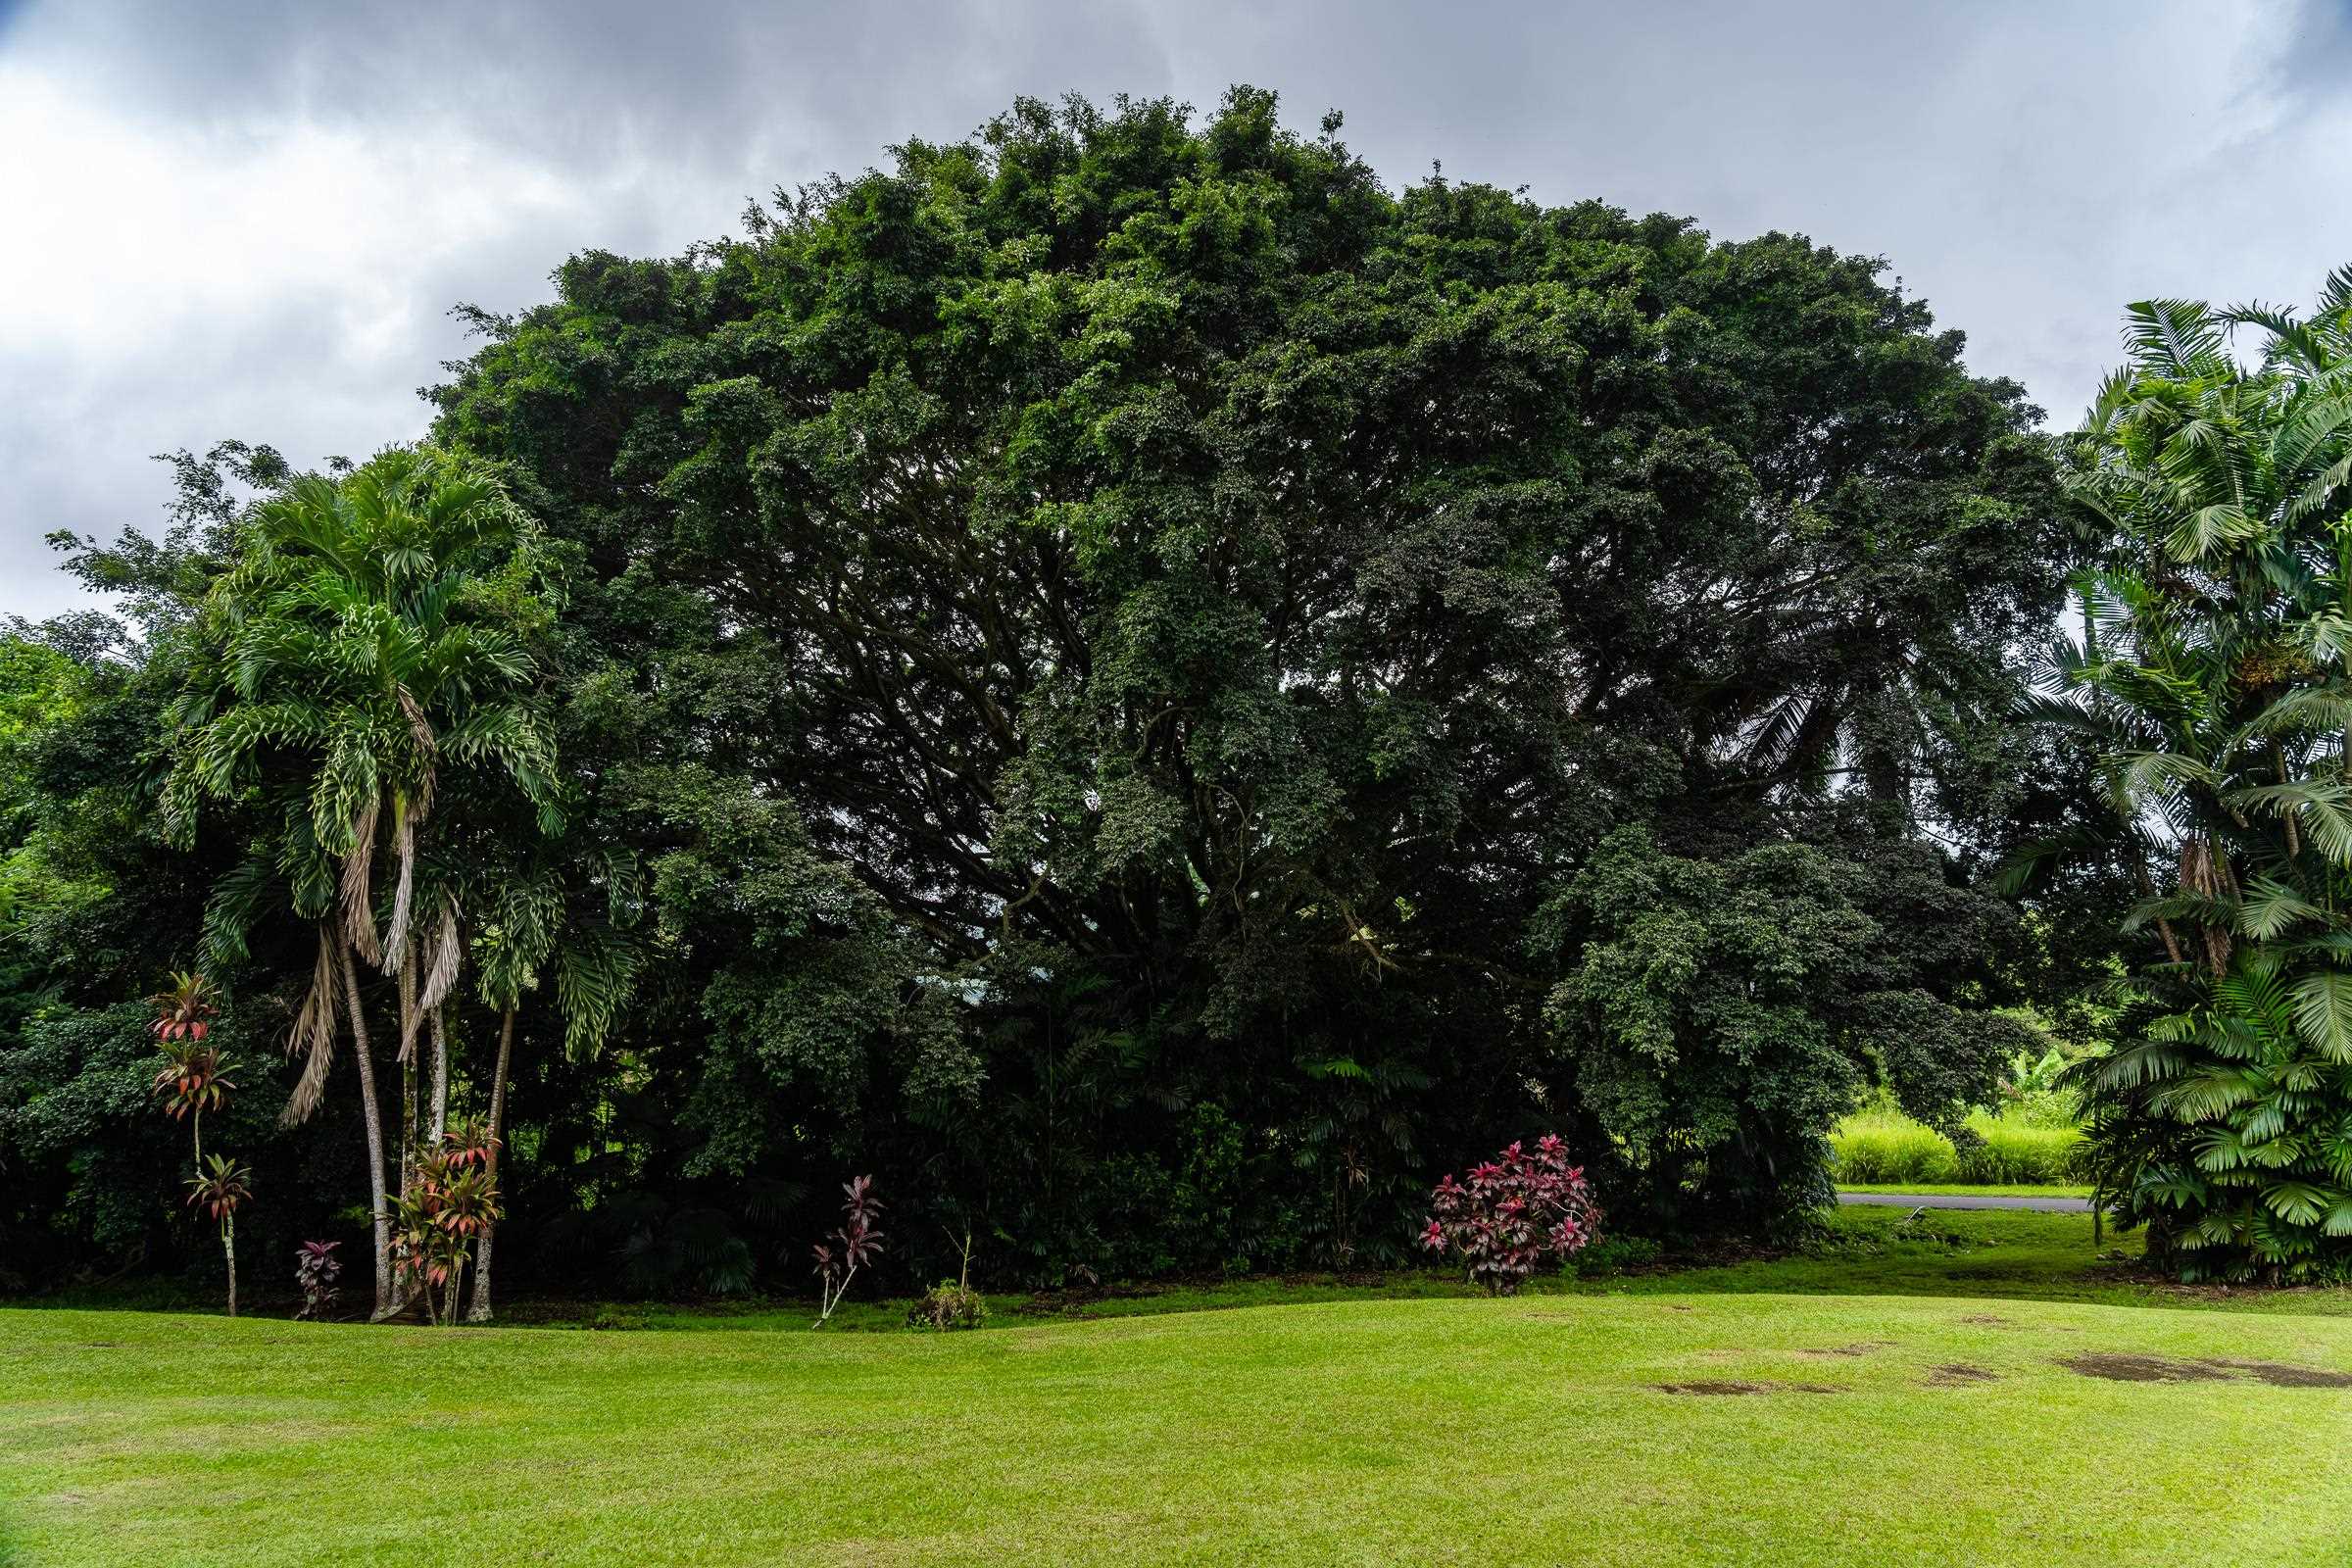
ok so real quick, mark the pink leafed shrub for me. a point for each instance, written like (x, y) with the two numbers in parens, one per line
(1511, 1214)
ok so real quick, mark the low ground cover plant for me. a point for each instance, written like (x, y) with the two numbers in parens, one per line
(1613, 1254)
(950, 1303)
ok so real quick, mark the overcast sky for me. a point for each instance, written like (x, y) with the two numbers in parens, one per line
(251, 220)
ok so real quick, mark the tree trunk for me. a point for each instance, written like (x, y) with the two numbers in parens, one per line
(440, 1096)
(228, 1245)
(385, 1304)
(407, 1078)
(480, 1310)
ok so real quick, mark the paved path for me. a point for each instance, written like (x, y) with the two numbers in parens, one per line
(2048, 1205)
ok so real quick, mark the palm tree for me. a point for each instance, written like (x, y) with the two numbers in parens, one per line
(536, 923)
(2210, 676)
(365, 657)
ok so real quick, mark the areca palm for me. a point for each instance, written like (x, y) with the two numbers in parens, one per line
(536, 921)
(357, 659)
(2210, 676)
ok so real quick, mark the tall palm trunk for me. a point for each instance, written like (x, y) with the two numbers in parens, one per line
(408, 1076)
(440, 1096)
(480, 1309)
(385, 1304)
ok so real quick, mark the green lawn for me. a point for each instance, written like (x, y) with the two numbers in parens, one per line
(1968, 1190)
(1908, 1425)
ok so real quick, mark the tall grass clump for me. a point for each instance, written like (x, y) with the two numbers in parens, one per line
(1882, 1145)
(1887, 1145)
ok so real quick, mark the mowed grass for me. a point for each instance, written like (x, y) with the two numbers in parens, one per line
(1973, 1188)
(1879, 1429)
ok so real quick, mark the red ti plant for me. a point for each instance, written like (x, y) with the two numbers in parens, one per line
(857, 1242)
(194, 1079)
(217, 1189)
(452, 1200)
(1511, 1214)
(186, 1011)
(315, 1271)
(469, 1145)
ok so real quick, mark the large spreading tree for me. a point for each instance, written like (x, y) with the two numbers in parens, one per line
(1214, 606)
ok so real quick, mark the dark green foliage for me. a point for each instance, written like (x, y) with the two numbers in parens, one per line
(2210, 684)
(1154, 694)
(1723, 1014)
(1210, 603)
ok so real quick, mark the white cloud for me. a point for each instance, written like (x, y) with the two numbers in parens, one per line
(250, 219)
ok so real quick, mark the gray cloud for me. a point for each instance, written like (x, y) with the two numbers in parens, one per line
(251, 219)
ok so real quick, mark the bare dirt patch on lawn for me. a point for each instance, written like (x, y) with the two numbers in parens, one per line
(2127, 1368)
(2285, 1374)
(1717, 1386)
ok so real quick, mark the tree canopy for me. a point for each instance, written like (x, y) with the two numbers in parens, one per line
(1152, 692)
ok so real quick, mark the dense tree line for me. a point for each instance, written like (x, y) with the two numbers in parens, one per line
(1118, 675)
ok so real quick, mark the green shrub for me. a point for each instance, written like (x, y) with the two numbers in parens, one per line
(619, 1319)
(1612, 1255)
(946, 1307)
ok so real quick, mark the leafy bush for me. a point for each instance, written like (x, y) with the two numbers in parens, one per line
(949, 1304)
(1722, 1014)
(644, 1245)
(619, 1319)
(1199, 1208)
(1514, 1211)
